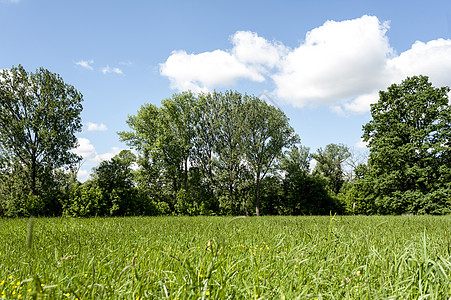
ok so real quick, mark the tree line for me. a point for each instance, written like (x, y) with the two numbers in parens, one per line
(220, 153)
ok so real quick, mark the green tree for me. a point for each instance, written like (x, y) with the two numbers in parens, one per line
(266, 133)
(296, 161)
(410, 148)
(39, 116)
(303, 193)
(229, 131)
(211, 146)
(330, 164)
(115, 180)
(163, 136)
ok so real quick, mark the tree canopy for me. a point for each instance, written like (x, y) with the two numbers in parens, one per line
(221, 153)
(39, 116)
(410, 148)
(229, 137)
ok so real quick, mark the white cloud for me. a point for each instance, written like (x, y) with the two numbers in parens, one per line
(90, 157)
(256, 51)
(337, 62)
(204, 71)
(359, 105)
(249, 59)
(96, 127)
(82, 175)
(361, 144)
(342, 65)
(432, 59)
(126, 63)
(109, 155)
(108, 69)
(85, 64)
(87, 150)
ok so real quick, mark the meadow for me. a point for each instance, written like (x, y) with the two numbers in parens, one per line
(327, 257)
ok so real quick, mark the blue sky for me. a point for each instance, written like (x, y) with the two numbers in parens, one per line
(322, 62)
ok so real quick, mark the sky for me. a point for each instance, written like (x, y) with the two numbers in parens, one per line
(321, 62)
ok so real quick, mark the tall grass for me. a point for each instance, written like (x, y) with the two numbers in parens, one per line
(226, 258)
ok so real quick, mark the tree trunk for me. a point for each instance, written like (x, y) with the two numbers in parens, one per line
(186, 176)
(257, 197)
(33, 176)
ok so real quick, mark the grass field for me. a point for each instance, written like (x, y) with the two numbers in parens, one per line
(353, 257)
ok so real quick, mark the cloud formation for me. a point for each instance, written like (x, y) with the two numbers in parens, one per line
(87, 150)
(337, 61)
(85, 64)
(108, 69)
(341, 65)
(95, 127)
(249, 59)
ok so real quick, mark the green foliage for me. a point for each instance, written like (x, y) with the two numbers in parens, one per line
(111, 192)
(330, 164)
(39, 116)
(204, 154)
(410, 148)
(220, 153)
(297, 192)
(85, 200)
(267, 133)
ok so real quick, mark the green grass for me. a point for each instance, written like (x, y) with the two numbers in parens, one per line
(354, 257)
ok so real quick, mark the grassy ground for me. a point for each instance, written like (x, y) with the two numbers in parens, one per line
(226, 258)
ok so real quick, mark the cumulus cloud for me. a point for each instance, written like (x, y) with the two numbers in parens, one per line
(204, 71)
(87, 150)
(432, 59)
(249, 59)
(96, 127)
(255, 51)
(336, 62)
(85, 64)
(108, 69)
(341, 65)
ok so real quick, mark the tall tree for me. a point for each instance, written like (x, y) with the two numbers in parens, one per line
(229, 131)
(410, 148)
(330, 163)
(177, 116)
(303, 193)
(115, 181)
(164, 138)
(39, 116)
(296, 161)
(266, 133)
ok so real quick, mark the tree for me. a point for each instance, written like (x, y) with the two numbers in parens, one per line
(164, 138)
(410, 148)
(303, 193)
(296, 161)
(330, 163)
(212, 145)
(266, 133)
(115, 181)
(39, 116)
(229, 167)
